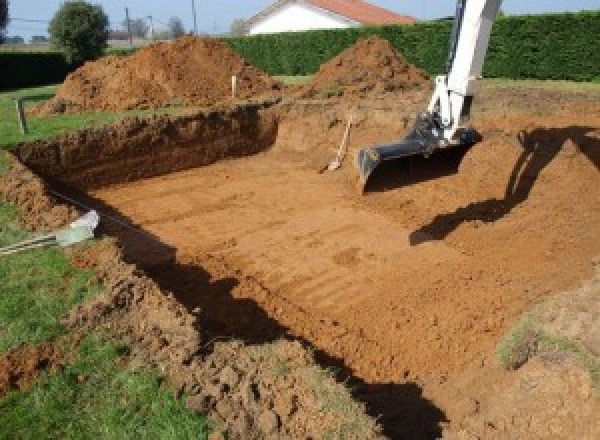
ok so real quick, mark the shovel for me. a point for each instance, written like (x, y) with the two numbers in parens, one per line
(342, 150)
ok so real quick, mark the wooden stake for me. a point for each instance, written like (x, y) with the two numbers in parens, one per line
(21, 116)
(233, 86)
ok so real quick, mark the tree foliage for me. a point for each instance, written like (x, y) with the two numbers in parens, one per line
(3, 18)
(80, 30)
(176, 27)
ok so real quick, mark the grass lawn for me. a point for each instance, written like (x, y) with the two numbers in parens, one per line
(565, 86)
(48, 126)
(96, 397)
(37, 288)
(101, 394)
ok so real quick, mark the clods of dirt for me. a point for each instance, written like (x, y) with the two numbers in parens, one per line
(372, 66)
(189, 71)
(37, 209)
(20, 368)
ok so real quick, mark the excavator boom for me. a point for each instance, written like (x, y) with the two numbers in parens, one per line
(445, 122)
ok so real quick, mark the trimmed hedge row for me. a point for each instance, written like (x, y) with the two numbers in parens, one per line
(27, 69)
(550, 46)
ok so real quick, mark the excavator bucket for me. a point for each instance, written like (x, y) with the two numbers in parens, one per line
(424, 139)
(368, 159)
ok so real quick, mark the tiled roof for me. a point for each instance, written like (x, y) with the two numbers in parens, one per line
(355, 10)
(362, 12)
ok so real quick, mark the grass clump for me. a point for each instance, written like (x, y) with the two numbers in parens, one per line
(519, 345)
(96, 397)
(528, 338)
(36, 288)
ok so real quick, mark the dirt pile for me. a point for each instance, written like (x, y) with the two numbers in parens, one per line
(38, 210)
(370, 67)
(189, 71)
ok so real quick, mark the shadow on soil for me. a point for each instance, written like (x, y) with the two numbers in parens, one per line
(414, 170)
(400, 408)
(540, 147)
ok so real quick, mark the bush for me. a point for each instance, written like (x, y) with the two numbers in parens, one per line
(551, 46)
(80, 30)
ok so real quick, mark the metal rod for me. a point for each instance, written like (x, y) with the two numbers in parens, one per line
(21, 116)
(29, 242)
(195, 19)
(4, 252)
(128, 26)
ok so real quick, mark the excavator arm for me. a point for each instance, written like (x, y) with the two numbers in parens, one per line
(445, 122)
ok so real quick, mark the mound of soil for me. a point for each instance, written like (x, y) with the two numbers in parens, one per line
(189, 71)
(371, 66)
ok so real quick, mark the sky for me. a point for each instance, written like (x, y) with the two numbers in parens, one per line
(215, 16)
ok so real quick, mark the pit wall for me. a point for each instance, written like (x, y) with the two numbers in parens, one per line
(138, 148)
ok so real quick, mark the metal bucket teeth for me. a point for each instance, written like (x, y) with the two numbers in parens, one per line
(366, 161)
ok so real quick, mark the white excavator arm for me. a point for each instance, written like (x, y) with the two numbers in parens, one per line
(445, 122)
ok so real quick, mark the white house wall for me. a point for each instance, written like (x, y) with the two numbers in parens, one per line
(299, 17)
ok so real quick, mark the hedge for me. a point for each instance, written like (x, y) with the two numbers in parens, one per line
(549, 46)
(27, 69)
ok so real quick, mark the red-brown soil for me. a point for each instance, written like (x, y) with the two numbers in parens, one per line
(189, 71)
(406, 290)
(370, 67)
(268, 390)
(21, 367)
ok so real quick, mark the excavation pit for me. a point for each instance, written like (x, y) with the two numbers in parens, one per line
(409, 286)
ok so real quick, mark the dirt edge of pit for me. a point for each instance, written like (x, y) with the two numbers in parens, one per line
(273, 389)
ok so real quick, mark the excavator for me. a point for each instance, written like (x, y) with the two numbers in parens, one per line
(445, 123)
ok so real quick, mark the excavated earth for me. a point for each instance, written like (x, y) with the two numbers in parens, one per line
(370, 67)
(405, 290)
(189, 71)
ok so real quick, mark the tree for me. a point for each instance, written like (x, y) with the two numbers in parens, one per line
(176, 27)
(238, 27)
(80, 30)
(139, 27)
(3, 18)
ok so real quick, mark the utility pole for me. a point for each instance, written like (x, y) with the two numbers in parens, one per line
(151, 27)
(194, 15)
(128, 26)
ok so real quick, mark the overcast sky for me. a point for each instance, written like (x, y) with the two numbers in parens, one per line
(216, 15)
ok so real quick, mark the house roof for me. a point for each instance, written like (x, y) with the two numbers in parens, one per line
(362, 12)
(356, 10)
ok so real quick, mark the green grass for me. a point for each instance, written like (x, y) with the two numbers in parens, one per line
(565, 86)
(49, 126)
(586, 359)
(529, 338)
(36, 288)
(294, 80)
(95, 397)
